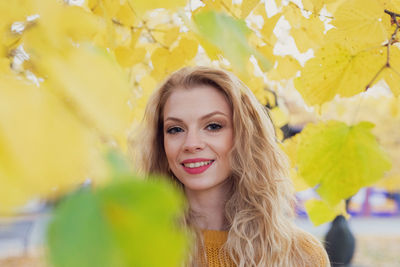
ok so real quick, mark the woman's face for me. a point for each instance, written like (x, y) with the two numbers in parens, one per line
(198, 136)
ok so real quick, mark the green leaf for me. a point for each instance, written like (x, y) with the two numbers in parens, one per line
(230, 36)
(79, 234)
(127, 223)
(118, 164)
(340, 159)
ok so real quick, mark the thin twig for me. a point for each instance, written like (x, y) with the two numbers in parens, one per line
(387, 63)
(391, 41)
(376, 76)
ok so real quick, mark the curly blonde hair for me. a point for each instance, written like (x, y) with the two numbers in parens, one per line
(259, 211)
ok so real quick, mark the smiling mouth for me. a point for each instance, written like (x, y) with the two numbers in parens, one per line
(193, 165)
(197, 167)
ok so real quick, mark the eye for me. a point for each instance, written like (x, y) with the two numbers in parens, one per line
(213, 127)
(174, 130)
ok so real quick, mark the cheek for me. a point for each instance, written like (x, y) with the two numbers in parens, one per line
(225, 146)
(170, 148)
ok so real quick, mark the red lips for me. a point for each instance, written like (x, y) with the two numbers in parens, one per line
(194, 160)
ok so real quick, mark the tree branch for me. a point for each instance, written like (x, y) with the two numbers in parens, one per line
(391, 41)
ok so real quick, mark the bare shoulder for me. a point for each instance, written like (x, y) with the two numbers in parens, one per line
(312, 249)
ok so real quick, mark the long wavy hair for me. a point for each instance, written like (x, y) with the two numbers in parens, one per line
(259, 211)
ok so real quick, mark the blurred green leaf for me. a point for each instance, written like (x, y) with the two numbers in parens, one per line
(230, 36)
(118, 164)
(127, 223)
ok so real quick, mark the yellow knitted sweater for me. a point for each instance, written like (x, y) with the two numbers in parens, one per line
(214, 240)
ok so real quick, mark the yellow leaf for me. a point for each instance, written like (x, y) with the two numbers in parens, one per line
(279, 134)
(267, 51)
(289, 146)
(125, 15)
(307, 32)
(165, 61)
(58, 28)
(4, 65)
(298, 183)
(333, 5)
(147, 86)
(335, 70)
(293, 14)
(166, 34)
(97, 88)
(268, 28)
(392, 74)
(216, 5)
(391, 5)
(392, 78)
(278, 3)
(128, 57)
(135, 34)
(313, 5)
(340, 159)
(361, 23)
(257, 85)
(309, 35)
(287, 68)
(321, 212)
(140, 7)
(175, 60)
(110, 7)
(159, 59)
(247, 6)
(279, 117)
(44, 148)
(188, 47)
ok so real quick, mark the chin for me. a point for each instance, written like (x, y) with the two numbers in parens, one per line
(198, 186)
(203, 184)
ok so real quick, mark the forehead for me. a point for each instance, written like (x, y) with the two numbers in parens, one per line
(196, 101)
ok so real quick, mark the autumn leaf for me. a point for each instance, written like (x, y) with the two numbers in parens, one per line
(336, 70)
(247, 6)
(321, 212)
(126, 15)
(362, 23)
(96, 87)
(287, 68)
(44, 149)
(166, 34)
(140, 7)
(127, 57)
(230, 36)
(340, 159)
(383, 111)
(391, 75)
(121, 224)
(307, 32)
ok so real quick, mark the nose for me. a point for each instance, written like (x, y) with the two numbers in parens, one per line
(193, 142)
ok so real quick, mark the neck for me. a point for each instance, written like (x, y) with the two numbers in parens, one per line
(209, 206)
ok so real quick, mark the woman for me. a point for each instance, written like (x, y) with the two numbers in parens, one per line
(205, 130)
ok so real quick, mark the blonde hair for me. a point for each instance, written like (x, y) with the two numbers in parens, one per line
(259, 212)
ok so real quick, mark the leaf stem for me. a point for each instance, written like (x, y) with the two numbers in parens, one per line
(391, 41)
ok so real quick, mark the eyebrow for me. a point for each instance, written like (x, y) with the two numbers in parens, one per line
(202, 118)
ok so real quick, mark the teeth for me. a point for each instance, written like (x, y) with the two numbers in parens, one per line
(197, 164)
